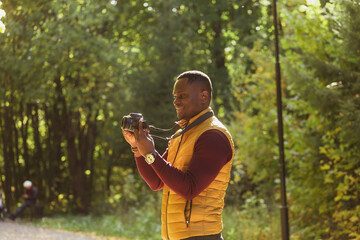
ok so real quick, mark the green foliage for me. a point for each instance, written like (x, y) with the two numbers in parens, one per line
(324, 107)
(321, 86)
(254, 220)
(257, 121)
(74, 68)
(70, 70)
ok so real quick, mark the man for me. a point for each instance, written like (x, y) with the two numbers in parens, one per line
(194, 171)
(30, 199)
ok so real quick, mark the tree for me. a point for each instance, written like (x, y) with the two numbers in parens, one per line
(62, 67)
(322, 66)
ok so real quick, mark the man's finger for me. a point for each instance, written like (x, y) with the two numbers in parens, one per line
(147, 133)
(136, 134)
(141, 125)
(125, 133)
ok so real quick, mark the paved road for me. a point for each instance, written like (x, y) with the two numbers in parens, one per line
(10, 230)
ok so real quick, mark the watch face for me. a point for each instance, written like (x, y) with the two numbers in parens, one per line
(150, 158)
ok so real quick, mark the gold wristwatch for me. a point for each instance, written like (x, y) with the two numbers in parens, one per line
(150, 157)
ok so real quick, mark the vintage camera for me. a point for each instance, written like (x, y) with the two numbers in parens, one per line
(131, 122)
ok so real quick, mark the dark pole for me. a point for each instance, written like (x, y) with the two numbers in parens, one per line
(284, 208)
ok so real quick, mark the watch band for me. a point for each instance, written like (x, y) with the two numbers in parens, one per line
(134, 149)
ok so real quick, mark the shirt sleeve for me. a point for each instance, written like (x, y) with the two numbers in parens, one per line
(211, 152)
(148, 173)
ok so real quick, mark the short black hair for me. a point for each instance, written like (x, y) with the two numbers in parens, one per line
(195, 76)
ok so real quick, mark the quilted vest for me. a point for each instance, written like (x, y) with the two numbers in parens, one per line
(202, 215)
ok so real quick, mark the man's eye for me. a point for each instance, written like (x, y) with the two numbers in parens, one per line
(179, 97)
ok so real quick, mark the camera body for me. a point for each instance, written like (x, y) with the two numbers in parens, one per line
(131, 122)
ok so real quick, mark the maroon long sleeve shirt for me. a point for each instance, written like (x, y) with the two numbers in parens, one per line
(211, 152)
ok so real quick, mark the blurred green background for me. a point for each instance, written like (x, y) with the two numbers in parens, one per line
(70, 69)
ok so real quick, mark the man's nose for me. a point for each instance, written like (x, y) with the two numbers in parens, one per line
(176, 102)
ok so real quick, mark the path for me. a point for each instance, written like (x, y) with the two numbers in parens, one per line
(10, 230)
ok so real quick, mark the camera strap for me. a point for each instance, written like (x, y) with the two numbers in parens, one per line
(199, 120)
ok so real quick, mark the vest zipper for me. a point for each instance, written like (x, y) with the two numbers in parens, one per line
(166, 224)
(167, 201)
(187, 219)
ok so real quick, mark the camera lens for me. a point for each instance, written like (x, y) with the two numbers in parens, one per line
(126, 123)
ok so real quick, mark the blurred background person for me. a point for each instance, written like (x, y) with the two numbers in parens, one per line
(3, 209)
(30, 199)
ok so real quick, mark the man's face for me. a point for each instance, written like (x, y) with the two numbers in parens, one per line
(188, 99)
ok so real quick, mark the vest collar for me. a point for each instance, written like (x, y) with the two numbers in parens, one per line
(183, 123)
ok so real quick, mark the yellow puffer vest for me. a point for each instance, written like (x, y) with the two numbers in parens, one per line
(202, 215)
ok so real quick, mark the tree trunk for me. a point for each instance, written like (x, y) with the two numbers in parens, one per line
(220, 72)
(38, 161)
(54, 153)
(92, 143)
(77, 172)
(77, 176)
(8, 155)
(24, 136)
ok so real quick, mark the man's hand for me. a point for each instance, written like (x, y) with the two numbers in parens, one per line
(129, 137)
(144, 142)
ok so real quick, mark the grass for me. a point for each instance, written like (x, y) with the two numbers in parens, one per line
(252, 222)
(134, 225)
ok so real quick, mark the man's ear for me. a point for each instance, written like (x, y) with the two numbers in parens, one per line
(205, 96)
